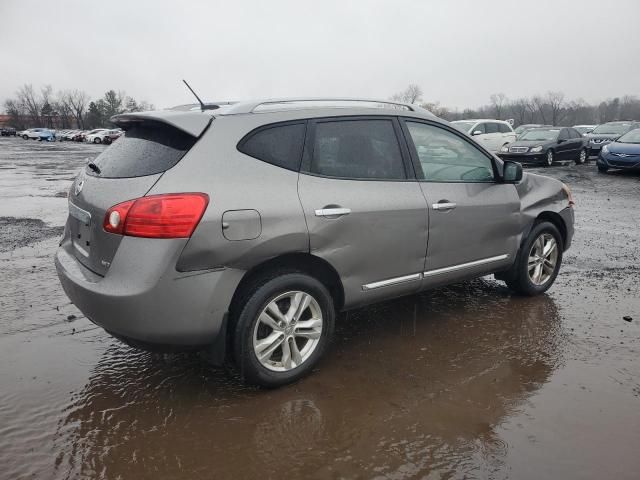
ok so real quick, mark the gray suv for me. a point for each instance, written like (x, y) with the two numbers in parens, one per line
(240, 230)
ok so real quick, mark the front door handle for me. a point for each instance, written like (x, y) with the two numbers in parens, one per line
(444, 206)
(332, 212)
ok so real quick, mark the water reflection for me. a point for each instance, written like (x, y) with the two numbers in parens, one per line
(411, 387)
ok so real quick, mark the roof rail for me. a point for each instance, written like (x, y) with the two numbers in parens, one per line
(252, 106)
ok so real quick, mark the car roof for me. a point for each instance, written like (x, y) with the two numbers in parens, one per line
(481, 120)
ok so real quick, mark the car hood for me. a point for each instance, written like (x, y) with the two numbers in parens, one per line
(603, 135)
(628, 148)
(530, 143)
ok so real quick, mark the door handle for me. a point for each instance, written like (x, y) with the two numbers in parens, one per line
(332, 212)
(444, 206)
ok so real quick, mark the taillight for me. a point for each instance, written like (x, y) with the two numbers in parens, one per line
(173, 215)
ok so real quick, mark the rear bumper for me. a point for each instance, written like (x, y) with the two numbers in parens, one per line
(144, 299)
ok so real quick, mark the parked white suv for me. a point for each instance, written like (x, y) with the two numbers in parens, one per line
(491, 134)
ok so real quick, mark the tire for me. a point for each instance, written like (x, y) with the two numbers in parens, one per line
(549, 158)
(522, 278)
(107, 140)
(603, 169)
(25, 137)
(97, 140)
(582, 156)
(279, 290)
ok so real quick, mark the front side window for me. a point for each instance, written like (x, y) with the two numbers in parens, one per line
(279, 145)
(564, 134)
(445, 157)
(492, 127)
(504, 128)
(357, 149)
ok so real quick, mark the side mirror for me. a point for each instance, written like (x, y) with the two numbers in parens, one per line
(512, 172)
(477, 132)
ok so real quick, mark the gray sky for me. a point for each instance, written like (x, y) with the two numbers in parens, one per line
(459, 52)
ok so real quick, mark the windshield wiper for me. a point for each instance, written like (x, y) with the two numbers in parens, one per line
(94, 167)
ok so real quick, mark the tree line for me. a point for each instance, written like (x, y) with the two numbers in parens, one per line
(552, 108)
(74, 108)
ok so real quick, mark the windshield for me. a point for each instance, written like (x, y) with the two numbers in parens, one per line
(615, 128)
(583, 129)
(463, 126)
(632, 137)
(522, 128)
(540, 135)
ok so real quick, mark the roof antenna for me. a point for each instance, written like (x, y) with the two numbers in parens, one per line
(203, 107)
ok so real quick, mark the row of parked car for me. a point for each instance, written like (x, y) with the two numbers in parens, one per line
(98, 135)
(536, 143)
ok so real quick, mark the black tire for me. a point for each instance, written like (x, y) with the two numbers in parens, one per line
(97, 140)
(549, 158)
(583, 156)
(107, 140)
(518, 278)
(244, 316)
(603, 169)
(25, 137)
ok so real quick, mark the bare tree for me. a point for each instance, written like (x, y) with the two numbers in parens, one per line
(540, 106)
(29, 100)
(519, 109)
(555, 102)
(497, 101)
(412, 94)
(76, 102)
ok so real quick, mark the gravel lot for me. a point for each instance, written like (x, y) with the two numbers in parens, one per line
(461, 382)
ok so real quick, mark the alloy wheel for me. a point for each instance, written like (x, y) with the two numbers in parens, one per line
(549, 158)
(543, 258)
(583, 156)
(287, 331)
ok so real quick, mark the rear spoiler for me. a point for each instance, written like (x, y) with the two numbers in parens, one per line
(193, 123)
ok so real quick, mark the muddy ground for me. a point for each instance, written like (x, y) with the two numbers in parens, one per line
(461, 382)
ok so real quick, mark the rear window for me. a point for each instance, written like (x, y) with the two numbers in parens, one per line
(143, 150)
(279, 145)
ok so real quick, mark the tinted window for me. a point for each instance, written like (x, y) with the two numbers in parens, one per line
(280, 145)
(504, 128)
(357, 149)
(144, 150)
(564, 134)
(574, 133)
(445, 157)
(492, 127)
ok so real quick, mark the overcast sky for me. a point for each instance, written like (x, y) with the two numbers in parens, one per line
(459, 52)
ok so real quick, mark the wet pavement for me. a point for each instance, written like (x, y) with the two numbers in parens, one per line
(461, 382)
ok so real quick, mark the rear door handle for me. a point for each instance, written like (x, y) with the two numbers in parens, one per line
(444, 206)
(332, 212)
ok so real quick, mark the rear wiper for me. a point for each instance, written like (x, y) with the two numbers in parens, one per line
(94, 167)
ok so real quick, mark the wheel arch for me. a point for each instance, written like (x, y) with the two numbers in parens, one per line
(556, 220)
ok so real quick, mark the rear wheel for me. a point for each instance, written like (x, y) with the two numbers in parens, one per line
(538, 261)
(25, 137)
(582, 157)
(549, 158)
(96, 140)
(282, 327)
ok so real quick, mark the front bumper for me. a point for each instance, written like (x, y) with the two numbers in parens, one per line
(527, 157)
(609, 160)
(143, 298)
(568, 216)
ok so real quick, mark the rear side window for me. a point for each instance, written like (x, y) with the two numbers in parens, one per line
(279, 145)
(144, 150)
(357, 149)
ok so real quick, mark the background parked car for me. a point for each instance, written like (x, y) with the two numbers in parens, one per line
(31, 133)
(528, 126)
(624, 153)
(8, 132)
(546, 145)
(584, 129)
(104, 136)
(89, 136)
(491, 134)
(607, 133)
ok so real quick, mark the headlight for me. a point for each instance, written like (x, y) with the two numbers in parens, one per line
(605, 149)
(504, 148)
(536, 149)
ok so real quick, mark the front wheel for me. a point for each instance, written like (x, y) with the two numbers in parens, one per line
(538, 261)
(25, 137)
(282, 328)
(582, 157)
(549, 158)
(603, 169)
(96, 140)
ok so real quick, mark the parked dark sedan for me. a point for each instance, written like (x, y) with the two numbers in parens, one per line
(528, 126)
(8, 131)
(546, 145)
(624, 153)
(607, 133)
